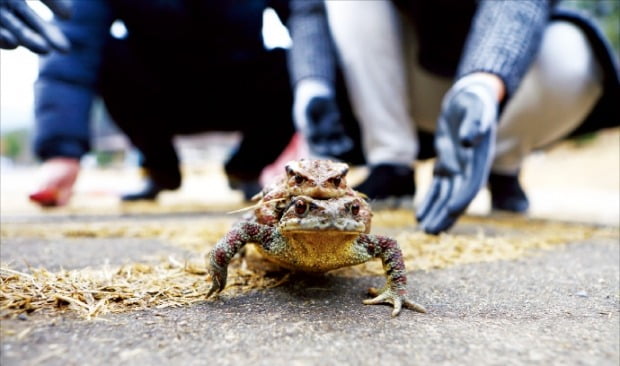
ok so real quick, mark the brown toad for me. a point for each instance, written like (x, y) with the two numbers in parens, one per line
(316, 178)
(316, 235)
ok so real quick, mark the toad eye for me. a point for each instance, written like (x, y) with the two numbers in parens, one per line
(301, 207)
(336, 181)
(299, 179)
(355, 208)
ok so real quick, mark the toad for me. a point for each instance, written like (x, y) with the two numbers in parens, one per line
(318, 235)
(316, 178)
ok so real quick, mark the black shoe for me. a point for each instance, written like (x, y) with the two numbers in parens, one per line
(249, 187)
(244, 177)
(155, 182)
(149, 192)
(389, 182)
(507, 194)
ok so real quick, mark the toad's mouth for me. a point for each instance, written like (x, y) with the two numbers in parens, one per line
(327, 232)
(340, 226)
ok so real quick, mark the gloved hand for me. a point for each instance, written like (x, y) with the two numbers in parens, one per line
(21, 26)
(57, 177)
(317, 117)
(465, 145)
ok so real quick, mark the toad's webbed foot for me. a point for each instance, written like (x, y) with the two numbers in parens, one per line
(390, 296)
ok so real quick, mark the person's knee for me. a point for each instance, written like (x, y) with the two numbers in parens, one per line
(358, 26)
(566, 62)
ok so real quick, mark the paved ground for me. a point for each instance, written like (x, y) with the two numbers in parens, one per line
(557, 307)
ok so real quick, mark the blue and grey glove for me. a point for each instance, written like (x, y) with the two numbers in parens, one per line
(317, 117)
(21, 26)
(465, 145)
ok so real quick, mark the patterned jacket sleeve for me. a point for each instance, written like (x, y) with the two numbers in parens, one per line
(67, 83)
(504, 38)
(312, 53)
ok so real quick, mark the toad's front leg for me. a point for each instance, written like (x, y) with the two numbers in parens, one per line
(225, 249)
(395, 290)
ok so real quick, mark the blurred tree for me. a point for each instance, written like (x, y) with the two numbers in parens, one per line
(15, 145)
(607, 14)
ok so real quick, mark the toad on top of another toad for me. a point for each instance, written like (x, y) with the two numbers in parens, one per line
(316, 178)
(318, 235)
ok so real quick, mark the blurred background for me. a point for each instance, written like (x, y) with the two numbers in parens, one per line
(18, 72)
(18, 69)
(112, 158)
(204, 153)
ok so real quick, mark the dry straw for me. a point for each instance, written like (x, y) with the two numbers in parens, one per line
(92, 292)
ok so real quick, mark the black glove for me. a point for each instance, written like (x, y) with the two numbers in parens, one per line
(326, 135)
(21, 26)
(317, 117)
(465, 145)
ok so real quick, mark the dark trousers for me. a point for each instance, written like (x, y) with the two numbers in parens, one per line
(152, 99)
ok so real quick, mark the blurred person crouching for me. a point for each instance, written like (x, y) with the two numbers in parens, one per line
(478, 85)
(184, 67)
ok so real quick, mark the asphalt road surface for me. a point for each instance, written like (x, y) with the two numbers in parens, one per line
(556, 307)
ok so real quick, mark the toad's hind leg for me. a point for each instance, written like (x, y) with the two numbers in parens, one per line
(395, 290)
